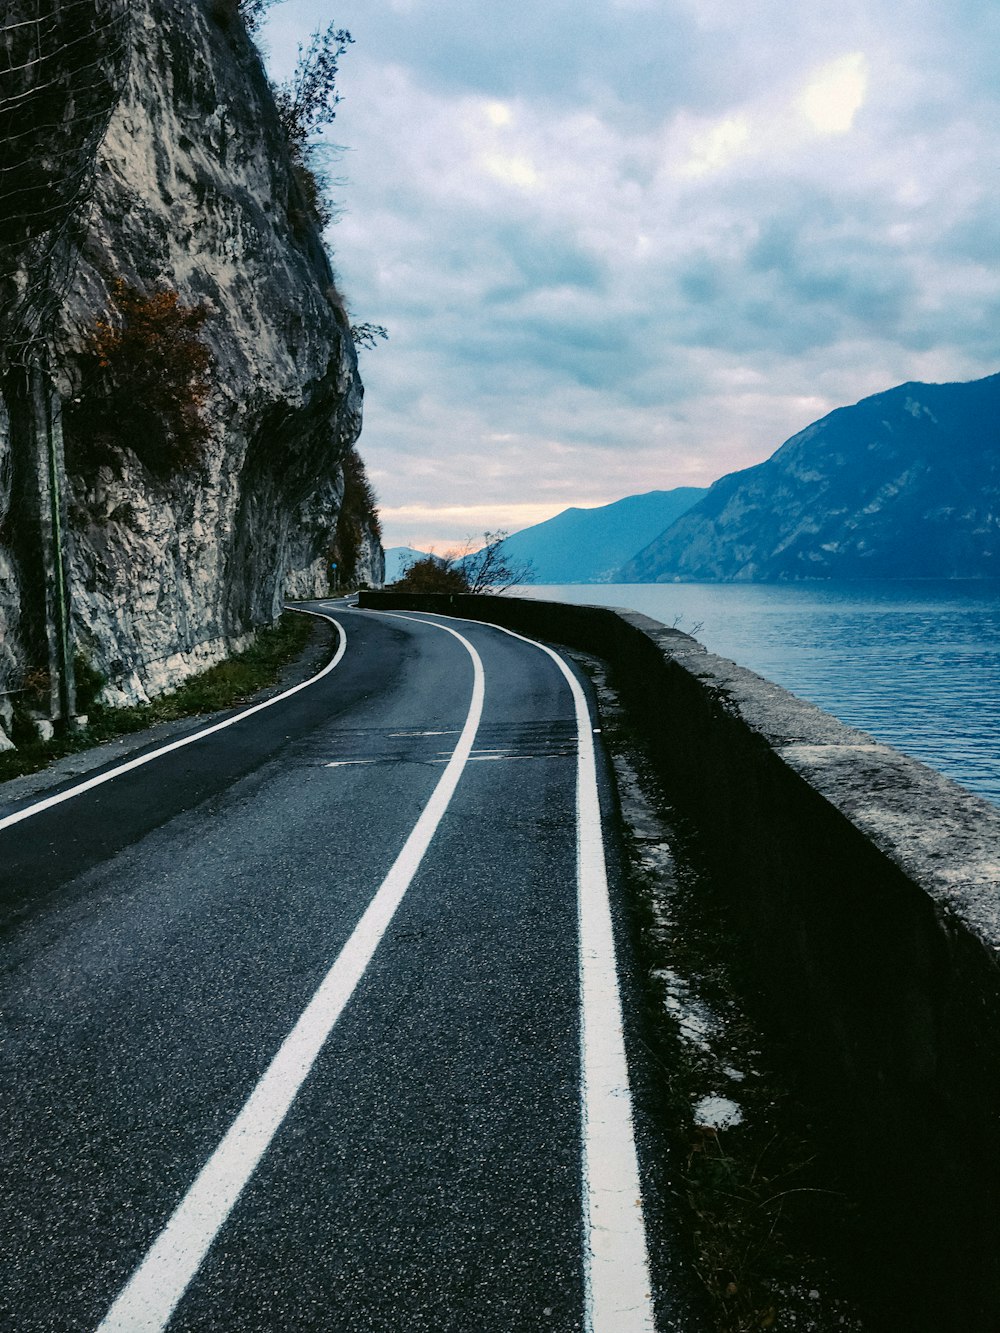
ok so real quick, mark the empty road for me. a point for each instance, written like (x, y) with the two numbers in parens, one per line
(309, 1019)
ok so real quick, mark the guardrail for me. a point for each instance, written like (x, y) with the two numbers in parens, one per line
(866, 889)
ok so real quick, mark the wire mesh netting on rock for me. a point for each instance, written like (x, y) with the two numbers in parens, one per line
(62, 63)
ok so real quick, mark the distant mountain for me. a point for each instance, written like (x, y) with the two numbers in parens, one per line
(398, 559)
(905, 484)
(589, 545)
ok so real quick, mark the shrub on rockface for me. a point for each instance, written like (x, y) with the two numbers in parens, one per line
(252, 12)
(307, 104)
(89, 684)
(146, 382)
(358, 516)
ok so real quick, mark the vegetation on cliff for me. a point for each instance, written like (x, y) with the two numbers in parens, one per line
(307, 104)
(146, 379)
(357, 521)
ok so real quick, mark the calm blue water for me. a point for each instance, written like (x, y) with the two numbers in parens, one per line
(916, 664)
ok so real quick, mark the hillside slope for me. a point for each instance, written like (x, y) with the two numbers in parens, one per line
(398, 559)
(589, 545)
(905, 484)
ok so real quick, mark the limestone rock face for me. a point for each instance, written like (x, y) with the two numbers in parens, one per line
(194, 193)
(905, 484)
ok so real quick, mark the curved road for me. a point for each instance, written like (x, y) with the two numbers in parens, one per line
(308, 1020)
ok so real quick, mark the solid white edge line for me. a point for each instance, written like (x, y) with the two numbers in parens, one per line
(152, 1293)
(90, 783)
(616, 1262)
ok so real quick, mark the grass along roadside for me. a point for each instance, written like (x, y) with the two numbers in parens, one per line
(222, 686)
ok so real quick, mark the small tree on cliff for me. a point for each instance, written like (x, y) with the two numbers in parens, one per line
(307, 104)
(253, 11)
(368, 335)
(308, 101)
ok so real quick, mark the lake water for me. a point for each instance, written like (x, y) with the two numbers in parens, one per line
(916, 664)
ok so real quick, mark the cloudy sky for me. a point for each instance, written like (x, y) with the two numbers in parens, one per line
(622, 245)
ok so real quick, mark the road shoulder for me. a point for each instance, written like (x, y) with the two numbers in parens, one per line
(762, 1234)
(316, 654)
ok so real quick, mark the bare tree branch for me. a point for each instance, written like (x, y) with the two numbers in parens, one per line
(491, 569)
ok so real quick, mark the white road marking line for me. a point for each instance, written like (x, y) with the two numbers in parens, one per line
(422, 733)
(492, 758)
(491, 753)
(443, 757)
(90, 783)
(616, 1262)
(619, 1295)
(151, 1295)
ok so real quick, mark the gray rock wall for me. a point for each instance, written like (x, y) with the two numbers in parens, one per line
(193, 192)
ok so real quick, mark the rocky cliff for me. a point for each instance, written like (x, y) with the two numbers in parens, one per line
(186, 197)
(905, 484)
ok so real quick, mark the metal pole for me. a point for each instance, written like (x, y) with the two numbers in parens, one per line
(64, 649)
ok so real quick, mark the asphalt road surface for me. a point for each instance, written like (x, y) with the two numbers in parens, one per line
(310, 1020)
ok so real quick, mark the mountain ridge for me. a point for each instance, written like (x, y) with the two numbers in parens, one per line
(902, 484)
(589, 545)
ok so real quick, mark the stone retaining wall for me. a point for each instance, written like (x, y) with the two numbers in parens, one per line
(866, 890)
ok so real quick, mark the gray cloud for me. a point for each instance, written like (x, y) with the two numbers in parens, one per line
(623, 245)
